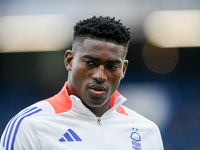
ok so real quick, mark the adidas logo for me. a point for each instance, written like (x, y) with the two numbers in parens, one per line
(70, 136)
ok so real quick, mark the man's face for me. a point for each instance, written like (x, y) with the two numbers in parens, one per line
(95, 70)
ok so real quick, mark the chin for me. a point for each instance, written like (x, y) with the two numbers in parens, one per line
(96, 103)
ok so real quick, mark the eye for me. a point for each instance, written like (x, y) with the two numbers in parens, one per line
(89, 63)
(112, 67)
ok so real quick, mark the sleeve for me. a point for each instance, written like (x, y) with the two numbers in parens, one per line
(153, 136)
(20, 132)
(159, 140)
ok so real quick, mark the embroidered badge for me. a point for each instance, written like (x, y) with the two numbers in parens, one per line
(136, 140)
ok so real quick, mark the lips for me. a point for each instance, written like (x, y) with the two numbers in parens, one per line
(97, 89)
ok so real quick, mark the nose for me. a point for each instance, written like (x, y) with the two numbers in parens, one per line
(100, 74)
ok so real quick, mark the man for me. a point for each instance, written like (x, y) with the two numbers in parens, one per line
(87, 113)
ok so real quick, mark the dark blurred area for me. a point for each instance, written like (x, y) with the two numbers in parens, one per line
(162, 84)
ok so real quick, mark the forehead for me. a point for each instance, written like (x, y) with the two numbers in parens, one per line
(100, 48)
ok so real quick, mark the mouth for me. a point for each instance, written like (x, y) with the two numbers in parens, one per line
(98, 89)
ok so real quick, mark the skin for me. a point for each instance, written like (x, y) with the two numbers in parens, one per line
(96, 68)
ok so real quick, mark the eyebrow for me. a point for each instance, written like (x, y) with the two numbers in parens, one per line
(91, 57)
(117, 61)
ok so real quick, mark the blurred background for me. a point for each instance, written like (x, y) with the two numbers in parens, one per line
(162, 80)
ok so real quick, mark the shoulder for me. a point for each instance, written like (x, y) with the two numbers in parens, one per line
(146, 126)
(34, 113)
(25, 124)
(140, 119)
(37, 110)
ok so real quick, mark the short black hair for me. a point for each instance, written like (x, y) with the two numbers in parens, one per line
(103, 28)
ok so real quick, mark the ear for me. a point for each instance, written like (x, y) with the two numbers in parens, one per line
(68, 59)
(125, 65)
